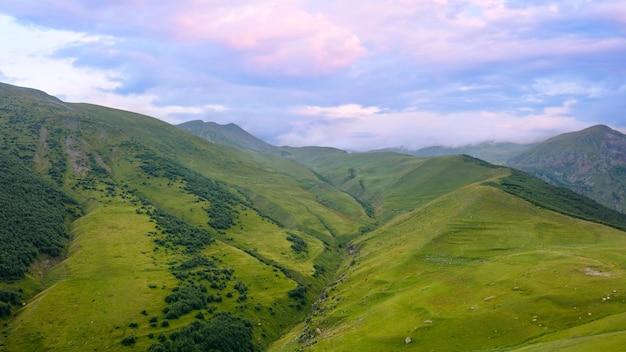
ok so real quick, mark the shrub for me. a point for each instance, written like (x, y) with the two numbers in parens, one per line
(298, 244)
(5, 310)
(223, 332)
(129, 340)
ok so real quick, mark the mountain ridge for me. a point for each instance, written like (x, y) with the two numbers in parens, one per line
(181, 239)
(536, 159)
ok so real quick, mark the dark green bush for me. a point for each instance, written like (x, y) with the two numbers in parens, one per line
(129, 340)
(223, 332)
(298, 244)
(33, 213)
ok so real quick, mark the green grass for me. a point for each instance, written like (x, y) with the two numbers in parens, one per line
(474, 270)
(267, 299)
(559, 199)
(391, 184)
(396, 246)
(101, 288)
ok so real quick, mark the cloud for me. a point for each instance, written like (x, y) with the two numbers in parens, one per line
(27, 60)
(566, 87)
(275, 36)
(269, 38)
(342, 111)
(341, 73)
(416, 129)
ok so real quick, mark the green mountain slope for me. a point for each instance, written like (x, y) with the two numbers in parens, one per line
(172, 242)
(391, 184)
(475, 270)
(229, 135)
(166, 212)
(34, 214)
(591, 162)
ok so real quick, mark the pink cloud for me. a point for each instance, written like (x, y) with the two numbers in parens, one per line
(308, 38)
(270, 37)
(342, 111)
(276, 36)
(458, 34)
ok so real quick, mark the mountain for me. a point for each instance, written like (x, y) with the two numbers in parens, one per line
(229, 135)
(159, 240)
(494, 152)
(173, 228)
(591, 162)
(465, 257)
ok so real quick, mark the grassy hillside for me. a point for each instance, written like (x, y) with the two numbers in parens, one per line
(559, 199)
(175, 230)
(169, 242)
(389, 184)
(477, 269)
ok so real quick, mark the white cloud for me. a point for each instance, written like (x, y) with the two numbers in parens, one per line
(341, 111)
(416, 129)
(549, 86)
(497, 69)
(27, 60)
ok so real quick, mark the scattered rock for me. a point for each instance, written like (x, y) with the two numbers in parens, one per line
(488, 298)
(594, 272)
(408, 340)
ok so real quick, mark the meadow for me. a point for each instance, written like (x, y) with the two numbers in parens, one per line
(477, 269)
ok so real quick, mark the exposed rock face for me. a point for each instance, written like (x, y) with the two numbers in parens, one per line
(591, 162)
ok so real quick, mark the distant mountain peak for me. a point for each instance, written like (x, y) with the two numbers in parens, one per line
(600, 127)
(230, 135)
(591, 162)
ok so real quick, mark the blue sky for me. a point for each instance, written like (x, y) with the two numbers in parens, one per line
(356, 75)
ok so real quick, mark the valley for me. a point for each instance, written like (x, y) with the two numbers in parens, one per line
(168, 241)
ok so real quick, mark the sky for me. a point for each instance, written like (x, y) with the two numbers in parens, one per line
(357, 75)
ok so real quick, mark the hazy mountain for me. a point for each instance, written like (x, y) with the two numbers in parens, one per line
(494, 152)
(229, 135)
(234, 136)
(591, 162)
(602, 181)
(128, 233)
